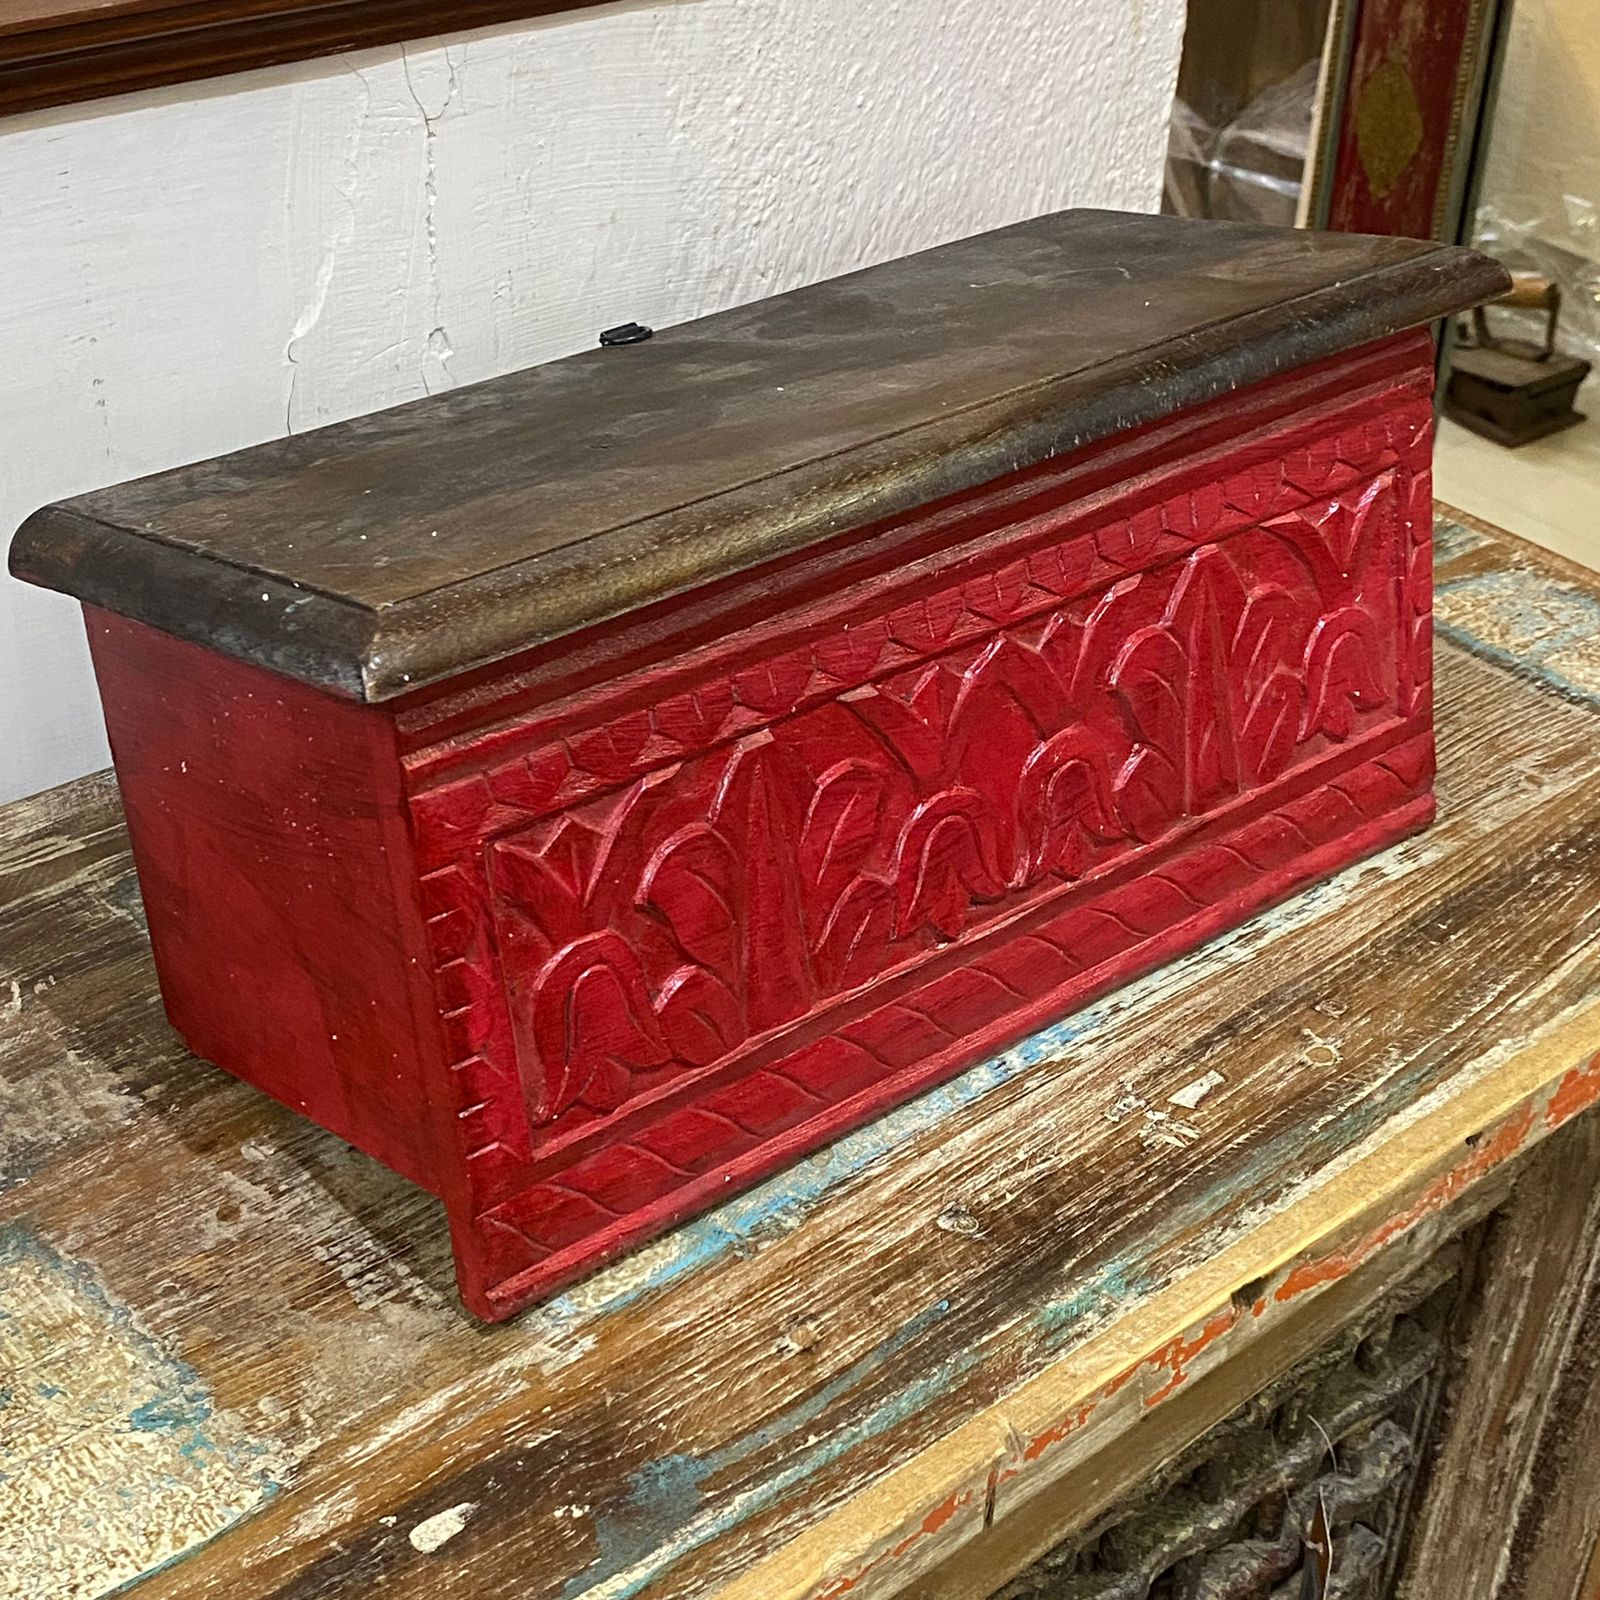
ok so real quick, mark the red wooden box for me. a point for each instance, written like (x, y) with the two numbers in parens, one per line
(589, 790)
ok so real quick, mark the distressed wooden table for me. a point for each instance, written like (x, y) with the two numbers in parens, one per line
(231, 1362)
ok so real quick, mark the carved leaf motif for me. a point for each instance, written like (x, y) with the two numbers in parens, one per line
(1253, 491)
(1059, 569)
(774, 686)
(1177, 680)
(1098, 640)
(547, 879)
(699, 1015)
(1265, 639)
(1416, 641)
(843, 820)
(1313, 467)
(1341, 673)
(1149, 793)
(1133, 541)
(1272, 725)
(944, 861)
(928, 623)
(758, 810)
(1009, 669)
(1416, 622)
(1209, 506)
(911, 728)
(1151, 673)
(851, 653)
(698, 716)
(997, 595)
(593, 1024)
(858, 928)
(612, 750)
(1353, 532)
(1063, 800)
(531, 783)
(691, 883)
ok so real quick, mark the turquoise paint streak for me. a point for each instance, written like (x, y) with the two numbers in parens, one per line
(664, 1507)
(1544, 617)
(180, 1408)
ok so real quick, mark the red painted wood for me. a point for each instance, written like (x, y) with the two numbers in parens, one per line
(269, 832)
(705, 887)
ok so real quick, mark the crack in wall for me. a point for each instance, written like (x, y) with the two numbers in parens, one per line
(438, 343)
(340, 236)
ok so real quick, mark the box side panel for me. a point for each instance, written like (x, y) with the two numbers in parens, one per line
(696, 916)
(273, 856)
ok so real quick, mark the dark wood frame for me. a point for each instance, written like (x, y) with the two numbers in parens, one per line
(55, 52)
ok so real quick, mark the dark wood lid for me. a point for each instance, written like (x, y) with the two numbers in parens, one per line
(376, 556)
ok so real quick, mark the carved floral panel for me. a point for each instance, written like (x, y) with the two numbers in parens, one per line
(627, 902)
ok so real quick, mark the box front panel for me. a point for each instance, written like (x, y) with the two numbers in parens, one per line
(699, 919)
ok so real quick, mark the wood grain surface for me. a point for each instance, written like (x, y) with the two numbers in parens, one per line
(388, 552)
(833, 1382)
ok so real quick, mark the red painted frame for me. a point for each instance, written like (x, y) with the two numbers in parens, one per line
(1401, 138)
(586, 941)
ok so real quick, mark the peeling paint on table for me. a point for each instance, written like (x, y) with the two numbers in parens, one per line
(113, 1460)
(1521, 618)
(1157, 1376)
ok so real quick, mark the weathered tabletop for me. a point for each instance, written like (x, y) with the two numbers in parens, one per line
(231, 1362)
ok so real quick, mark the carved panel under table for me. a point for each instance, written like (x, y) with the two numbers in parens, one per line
(589, 790)
(723, 909)
(1305, 1492)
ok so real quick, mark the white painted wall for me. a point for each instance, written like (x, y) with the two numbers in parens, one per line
(186, 272)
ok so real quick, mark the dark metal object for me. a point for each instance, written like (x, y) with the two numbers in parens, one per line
(1515, 390)
(626, 333)
(396, 550)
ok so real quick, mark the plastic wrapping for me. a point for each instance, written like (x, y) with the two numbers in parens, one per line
(1187, 174)
(1565, 249)
(1251, 168)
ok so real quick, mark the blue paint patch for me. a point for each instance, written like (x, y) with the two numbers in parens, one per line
(1542, 619)
(665, 1502)
(182, 1413)
(1098, 1296)
(178, 1406)
(1452, 539)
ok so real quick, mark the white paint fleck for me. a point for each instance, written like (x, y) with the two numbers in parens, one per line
(956, 1218)
(322, 1518)
(432, 1533)
(1127, 1104)
(1162, 1130)
(1191, 1094)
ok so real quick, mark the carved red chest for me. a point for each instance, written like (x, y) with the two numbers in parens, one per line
(589, 790)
